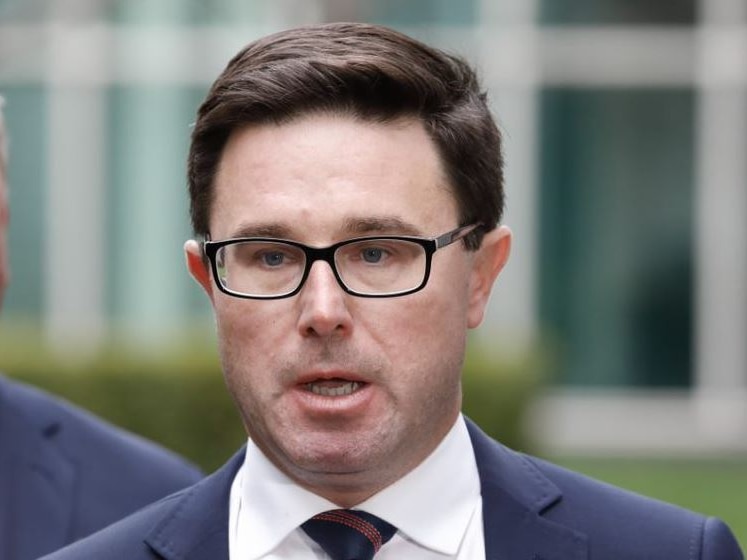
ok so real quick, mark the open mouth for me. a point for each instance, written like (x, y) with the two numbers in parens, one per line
(333, 387)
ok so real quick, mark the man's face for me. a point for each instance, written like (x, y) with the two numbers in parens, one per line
(319, 180)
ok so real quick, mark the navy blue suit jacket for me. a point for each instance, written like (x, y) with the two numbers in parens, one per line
(65, 474)
(532, 510)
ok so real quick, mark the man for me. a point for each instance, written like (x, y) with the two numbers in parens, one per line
(63, 473)
(347, 181)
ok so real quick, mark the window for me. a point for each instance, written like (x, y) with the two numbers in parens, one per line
(616, 234)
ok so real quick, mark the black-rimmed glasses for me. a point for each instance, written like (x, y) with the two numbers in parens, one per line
(381, 266)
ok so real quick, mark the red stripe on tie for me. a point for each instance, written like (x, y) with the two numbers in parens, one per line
(354, 522)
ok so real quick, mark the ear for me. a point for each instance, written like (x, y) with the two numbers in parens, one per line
(198, 266)
(488, 262)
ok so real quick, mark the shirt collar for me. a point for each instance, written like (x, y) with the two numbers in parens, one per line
(272, 506)
(436, 519)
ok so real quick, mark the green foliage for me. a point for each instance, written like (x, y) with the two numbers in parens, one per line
(178, 397)
(497, 394)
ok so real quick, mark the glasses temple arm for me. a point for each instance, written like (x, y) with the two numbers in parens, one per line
(455, 235)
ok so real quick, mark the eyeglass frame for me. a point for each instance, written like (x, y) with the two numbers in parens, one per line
(210, 249)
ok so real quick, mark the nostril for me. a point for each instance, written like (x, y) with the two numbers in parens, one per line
(326, 324)
(324, 314)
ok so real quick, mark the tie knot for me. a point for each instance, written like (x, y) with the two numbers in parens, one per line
(347, 534)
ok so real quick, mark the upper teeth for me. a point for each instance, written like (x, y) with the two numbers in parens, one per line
(344, 389)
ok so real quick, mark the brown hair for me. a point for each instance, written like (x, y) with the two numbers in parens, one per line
(370, 72)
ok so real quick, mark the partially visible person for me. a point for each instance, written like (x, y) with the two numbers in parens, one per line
(63, 472)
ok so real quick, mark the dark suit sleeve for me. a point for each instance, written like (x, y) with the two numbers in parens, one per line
(718, 542)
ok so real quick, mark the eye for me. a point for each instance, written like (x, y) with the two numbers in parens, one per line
(265, 255)
(272, 258)
(372, 254)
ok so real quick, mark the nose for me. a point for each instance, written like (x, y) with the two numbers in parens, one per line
(323, 304)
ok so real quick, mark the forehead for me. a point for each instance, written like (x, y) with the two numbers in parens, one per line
(318, 174)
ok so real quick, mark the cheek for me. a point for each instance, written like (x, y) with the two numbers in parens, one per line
(243, 338)
(246, 322)
(424, 333)
(233, 326)
(427, 362)
(440, 320)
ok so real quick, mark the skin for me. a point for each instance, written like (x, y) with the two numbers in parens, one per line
(320, 179)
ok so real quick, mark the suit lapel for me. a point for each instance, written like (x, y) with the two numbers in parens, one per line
(38, 480)
(515, 495)
(197, 527)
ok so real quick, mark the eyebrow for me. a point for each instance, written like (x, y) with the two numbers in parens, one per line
(380, 225)
(375, 225)
(262, 230)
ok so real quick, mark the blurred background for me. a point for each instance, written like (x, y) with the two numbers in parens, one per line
(619, 328)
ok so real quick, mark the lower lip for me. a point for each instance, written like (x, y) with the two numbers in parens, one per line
(353, 403)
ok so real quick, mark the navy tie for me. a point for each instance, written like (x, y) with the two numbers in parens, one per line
(347, 534)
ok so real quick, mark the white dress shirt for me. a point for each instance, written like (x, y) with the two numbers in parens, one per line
(437, 509)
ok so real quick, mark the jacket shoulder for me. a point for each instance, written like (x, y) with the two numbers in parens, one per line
(123, 540)
(117, 472)
(556, 513)
(192, 523)
(623, 524)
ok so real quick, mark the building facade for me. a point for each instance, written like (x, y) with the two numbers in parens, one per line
(626, 148)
